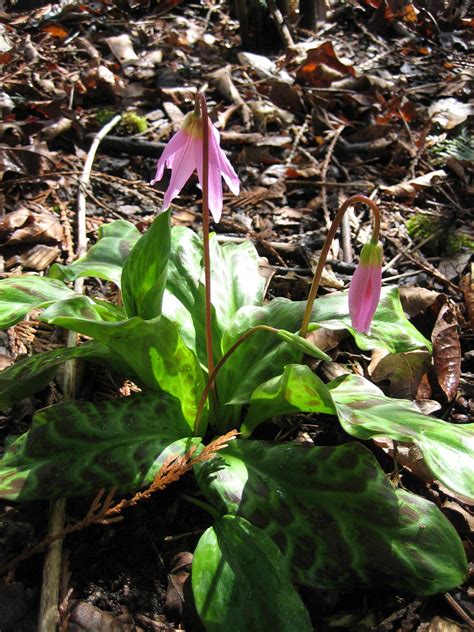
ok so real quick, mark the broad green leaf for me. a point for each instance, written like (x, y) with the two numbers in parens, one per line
(241, 582)
(19, 295)
(297, 390)
(83, 308)
(448, 449)
(390, 328)
(185, 270)
(32, 374)
(144, 273)
(105, 259)
(263, 356)
(336, 517)
(76, 448)
(236, 281)
(152, 349)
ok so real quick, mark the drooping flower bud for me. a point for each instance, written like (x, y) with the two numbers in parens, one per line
(365, 287)
(184, 153)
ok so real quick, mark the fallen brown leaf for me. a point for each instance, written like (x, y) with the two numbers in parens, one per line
(85, 617)
(37, 258)
(416, 300)
(404, 371)
(322, 67)
(30, 227)
(410, 188)
(447, 350)
(177, 578)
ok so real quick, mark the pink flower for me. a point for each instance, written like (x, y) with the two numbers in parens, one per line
(366, 284)
(183, 154)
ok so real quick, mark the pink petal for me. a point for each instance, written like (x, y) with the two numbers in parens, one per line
(228, 173)
(184, 164)
(214, 181)
(364, 295)
(167, 157)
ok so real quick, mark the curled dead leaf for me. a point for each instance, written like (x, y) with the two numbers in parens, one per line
(416, 300)
(30, 227)
(322, 67)
(447, 350)
(410, 188)
(404, 371)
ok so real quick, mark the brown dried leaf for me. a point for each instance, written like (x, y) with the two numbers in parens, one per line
(416, 300)
(85, 617)
(411, 187)
(448, 113)
(177, 578)
(30, 227)
(38, 258)
(404, 371)
(447, 350)
(27, 161)
(322, 67)
(326, 339)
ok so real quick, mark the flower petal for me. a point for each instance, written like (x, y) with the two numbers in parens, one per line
(228, 173)
(184, 164)
(167, 157)
(364, 295)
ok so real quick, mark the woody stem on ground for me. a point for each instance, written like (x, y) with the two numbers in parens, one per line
(219, 365)
(327, 244)
(205, 231)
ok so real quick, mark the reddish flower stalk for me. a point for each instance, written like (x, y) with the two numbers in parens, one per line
(363, 298)
(196, 147)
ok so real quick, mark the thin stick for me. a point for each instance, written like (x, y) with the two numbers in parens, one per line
(48, 614)
(205, 230)
(327, 244)
(218, 367)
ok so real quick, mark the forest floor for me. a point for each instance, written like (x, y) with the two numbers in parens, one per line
(374, 102)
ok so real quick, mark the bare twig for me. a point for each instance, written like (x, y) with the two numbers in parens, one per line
(324, 171)
(48, 614)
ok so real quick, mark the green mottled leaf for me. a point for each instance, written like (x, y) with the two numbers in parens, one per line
(336, 517)
(263, 356)
(83, 308)
(19, 295)
(152, 349)
(105, 259)
(297, 390)
(390, 328)
(144, 273)
(32, 374)
(236, 281)
(448, 449)
(76, 448)
(241, 582)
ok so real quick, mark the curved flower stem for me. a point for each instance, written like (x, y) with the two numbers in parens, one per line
(219, 365)
(205, 230)
(327, 244)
